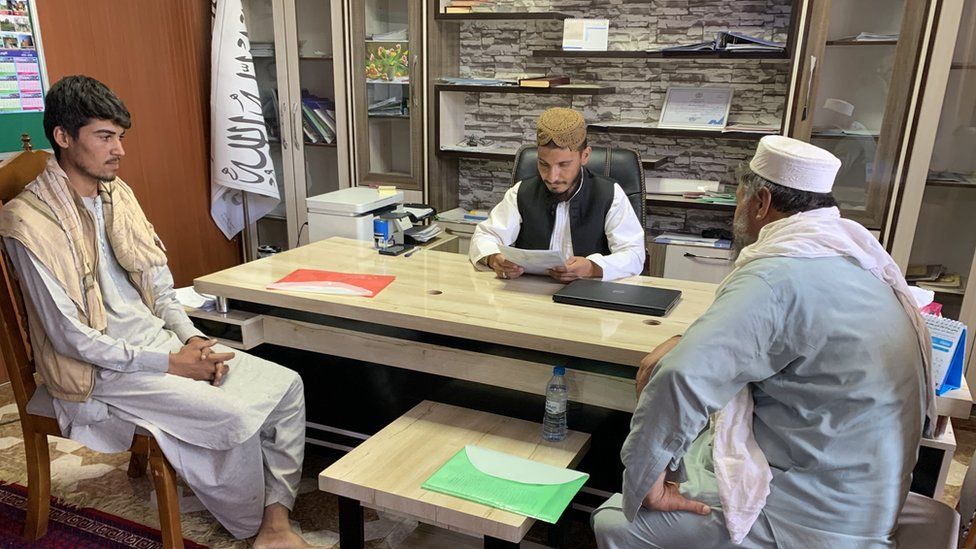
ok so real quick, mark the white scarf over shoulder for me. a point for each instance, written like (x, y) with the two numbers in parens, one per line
(741, 469)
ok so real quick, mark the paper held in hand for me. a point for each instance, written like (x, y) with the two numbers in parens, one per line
(534, 261)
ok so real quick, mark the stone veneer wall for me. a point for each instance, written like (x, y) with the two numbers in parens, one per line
(503, 48)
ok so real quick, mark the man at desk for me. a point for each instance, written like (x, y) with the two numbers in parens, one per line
(565, 208)
(815, 359)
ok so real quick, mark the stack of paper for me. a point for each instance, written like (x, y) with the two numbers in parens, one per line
(421, 233)
(692, 240)
(397, 35)
(872, 37)
(393, 106)
(262, 49)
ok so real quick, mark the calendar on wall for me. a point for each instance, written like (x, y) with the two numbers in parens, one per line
(21, 89)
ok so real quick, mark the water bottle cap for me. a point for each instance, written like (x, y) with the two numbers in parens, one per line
(559, 371)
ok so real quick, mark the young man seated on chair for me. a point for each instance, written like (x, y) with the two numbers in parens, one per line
(565, 208)
(115, 348)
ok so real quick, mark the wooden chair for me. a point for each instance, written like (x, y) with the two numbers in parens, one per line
(34, 403)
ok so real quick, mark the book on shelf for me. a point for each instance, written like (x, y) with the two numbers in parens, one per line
(457, 9)
(926, 273)
(544, 82)
(311, 136)
(315, 110)
(466, 3)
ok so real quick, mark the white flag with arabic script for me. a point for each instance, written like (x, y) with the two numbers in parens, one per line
(240, 157)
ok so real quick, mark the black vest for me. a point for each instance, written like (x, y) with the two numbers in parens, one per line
(587, 215)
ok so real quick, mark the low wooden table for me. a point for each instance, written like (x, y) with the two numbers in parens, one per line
(385, 472)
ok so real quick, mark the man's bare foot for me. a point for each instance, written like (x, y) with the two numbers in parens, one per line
(276, 532)
(282, 539)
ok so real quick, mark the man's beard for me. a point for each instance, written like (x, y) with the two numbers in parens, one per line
(740, 236)
(102, 178)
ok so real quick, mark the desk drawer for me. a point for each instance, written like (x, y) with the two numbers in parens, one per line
(696, 263)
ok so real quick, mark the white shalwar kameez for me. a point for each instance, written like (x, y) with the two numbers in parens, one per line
(239, 445)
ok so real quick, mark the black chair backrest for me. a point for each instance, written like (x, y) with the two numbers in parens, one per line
(621, 165)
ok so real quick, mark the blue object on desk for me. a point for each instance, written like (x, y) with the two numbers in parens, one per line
(948, 352)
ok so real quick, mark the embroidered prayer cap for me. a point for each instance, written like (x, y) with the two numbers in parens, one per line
(795, 164)
(563, 127)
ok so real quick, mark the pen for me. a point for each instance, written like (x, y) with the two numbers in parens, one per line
(411, 252)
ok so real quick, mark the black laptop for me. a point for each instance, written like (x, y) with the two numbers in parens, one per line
(618, 297)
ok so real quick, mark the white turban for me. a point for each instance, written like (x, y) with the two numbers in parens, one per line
(795, 164)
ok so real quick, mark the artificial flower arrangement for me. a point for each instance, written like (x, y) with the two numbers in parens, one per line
(387, 63)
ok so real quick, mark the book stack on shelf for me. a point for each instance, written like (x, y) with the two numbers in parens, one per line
(934, 278)
(468, 6)
(262, 49)
(318, 120)
(391, 107)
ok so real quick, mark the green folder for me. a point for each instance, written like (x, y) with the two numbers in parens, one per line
(507, 482)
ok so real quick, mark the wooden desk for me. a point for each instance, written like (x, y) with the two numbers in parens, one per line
(442, 316)
(386, 471)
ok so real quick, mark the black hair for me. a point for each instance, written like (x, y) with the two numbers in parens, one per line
(74, 101)
(785, 199)
(553, 145)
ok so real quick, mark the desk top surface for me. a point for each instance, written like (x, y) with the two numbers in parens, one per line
(387, 470)
(442, 293)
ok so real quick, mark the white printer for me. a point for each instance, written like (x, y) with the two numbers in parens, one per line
(348, 212)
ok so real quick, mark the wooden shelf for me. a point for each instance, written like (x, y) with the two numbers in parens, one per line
(647, 163)
(558, 90)
(655, 163)
(636, 54)
(389, 116)
(675, 201)
(816, 135)
(951, 184)
(707, 134)
(477, 154)
(326, 145)
(862, 42)
(502, 16)
(316, 58)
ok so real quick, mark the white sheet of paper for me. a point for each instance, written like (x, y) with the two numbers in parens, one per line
(534, 261)
(586, 34)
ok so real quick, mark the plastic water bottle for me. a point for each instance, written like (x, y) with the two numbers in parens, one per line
(554, 423)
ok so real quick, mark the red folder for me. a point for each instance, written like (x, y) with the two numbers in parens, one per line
(331, 282)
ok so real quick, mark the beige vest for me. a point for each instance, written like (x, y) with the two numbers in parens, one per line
(50, 219)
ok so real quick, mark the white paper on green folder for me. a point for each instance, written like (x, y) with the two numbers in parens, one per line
(508, 482)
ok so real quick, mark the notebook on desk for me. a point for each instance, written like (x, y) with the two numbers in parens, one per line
(618, 297)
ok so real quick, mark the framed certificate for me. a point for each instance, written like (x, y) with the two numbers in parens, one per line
(696, 108)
